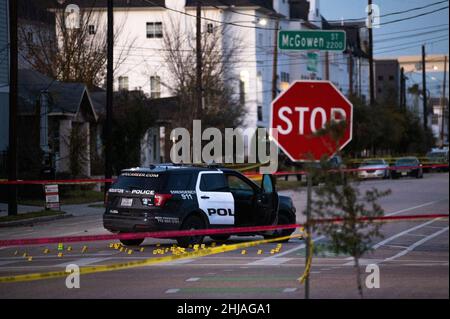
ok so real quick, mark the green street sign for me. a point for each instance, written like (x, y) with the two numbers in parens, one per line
(312, 64)
(318, 40)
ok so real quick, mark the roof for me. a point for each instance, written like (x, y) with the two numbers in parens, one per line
(157, 168)
(117, 3)
(64, 97)
(266, 4)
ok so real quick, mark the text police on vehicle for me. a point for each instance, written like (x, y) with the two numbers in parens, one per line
(172, 197)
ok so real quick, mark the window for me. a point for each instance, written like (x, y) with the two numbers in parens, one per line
(391, 78)
(213, 183)
(242, 92)
(123, 83)
(210, 28)
(237, 184)
(154, 30)
(91, 29)
(155, 87)
(285, 77)
(179, 182)
(380, 78)
(260, 115)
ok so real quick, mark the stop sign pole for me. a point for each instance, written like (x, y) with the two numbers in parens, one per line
(297, 115)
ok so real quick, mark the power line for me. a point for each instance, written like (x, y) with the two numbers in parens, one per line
(262, 28)
(332, 21)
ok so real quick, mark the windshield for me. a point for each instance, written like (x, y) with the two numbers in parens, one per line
(406, 161)
(373, 162)
(133, 182)
(436, 155)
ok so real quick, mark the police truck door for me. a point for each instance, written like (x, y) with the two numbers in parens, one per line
(215, 198)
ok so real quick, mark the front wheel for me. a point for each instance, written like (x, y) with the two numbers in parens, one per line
(191, 223)
(132, 242)
(282, 220)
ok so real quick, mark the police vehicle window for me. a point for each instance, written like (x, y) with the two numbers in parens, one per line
(267, 184)
(179, 182)
(213, 183)
(133, 182)
(235, 183)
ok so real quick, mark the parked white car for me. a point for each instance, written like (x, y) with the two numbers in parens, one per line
(374, 168)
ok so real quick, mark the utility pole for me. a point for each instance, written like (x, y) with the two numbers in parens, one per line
(13, 75)
(350, 73)
(371, 75)
(402, 88)
(275, 60)
(109, 94)
(444, 103)
(424, 89)
(327, 66)
(199, 86)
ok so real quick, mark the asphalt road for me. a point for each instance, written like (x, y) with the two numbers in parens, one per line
(413, 258)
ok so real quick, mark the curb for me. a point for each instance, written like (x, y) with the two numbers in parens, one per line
(32, 221)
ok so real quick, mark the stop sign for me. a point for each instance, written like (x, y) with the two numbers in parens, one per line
(302, 110)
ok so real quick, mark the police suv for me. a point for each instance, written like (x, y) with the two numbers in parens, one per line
(179, 197)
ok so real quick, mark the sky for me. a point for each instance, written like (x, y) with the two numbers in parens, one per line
(431, 30)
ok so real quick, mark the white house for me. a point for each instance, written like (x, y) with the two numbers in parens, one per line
(142, 25)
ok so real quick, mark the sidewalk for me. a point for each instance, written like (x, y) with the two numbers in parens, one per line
(75, 210)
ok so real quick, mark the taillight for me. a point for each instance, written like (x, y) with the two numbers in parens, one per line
(106, 198)
(161, 199)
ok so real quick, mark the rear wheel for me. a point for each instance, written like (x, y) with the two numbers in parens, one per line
(132, 242)
(191, 223)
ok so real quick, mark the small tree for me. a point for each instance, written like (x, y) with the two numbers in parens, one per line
(339, 197)
(132, 120)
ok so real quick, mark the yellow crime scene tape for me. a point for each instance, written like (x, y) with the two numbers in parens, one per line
(145, 262)
(309, 261)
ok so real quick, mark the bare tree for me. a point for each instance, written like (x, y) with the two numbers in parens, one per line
(68, 53)
(221, 107)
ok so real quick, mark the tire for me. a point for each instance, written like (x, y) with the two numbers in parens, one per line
(283, 219)
(132, 242)
(192, 222)
(224, 237)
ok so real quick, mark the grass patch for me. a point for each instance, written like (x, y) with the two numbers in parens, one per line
(73, 197)
(284, 185)
(41, 213)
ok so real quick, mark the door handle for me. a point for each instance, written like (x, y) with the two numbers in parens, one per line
(204, 197)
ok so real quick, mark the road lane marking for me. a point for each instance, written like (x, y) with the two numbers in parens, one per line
(273, 261)
(84, 261)
(414, 207)
(193, 279)
(289, 289)
(269, 260)
(389, 239)
(172, 291)
(381, 243)
(416, 244)
(3, 263)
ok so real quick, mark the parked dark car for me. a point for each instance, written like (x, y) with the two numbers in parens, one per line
(407, 166)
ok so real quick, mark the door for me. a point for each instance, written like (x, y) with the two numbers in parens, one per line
(214, 198)
(266, 202)
(244, 200)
